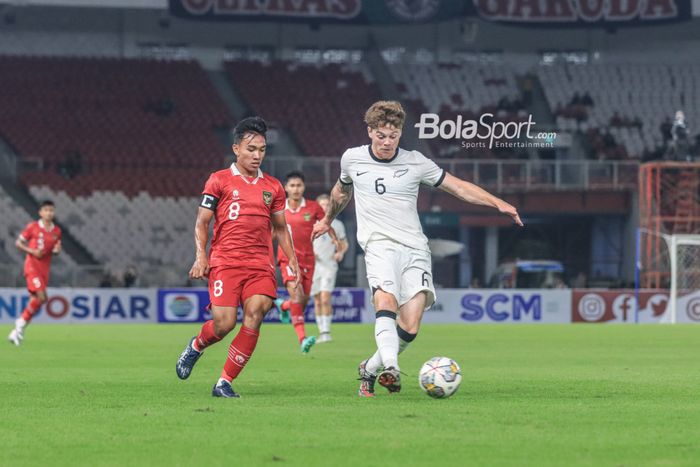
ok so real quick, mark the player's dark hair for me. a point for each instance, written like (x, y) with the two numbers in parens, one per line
(249, 125)
(294, 174)
(46, 202)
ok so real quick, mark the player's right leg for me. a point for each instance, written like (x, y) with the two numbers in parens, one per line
(224, 293)
(383, 260)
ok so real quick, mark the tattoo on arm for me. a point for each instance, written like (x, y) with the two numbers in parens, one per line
(340, 197)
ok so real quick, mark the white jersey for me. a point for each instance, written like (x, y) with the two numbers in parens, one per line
(386, 194)
(323, 245)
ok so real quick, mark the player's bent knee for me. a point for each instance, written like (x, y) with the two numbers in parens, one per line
(253, 319)
(224, 320)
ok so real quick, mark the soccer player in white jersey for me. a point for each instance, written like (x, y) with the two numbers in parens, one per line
(327, 259)
(385, 180)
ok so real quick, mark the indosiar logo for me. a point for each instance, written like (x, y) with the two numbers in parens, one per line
(181, 306)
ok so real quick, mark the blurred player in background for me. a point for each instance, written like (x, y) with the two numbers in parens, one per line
(301, 215)
(386, 180)
(40, 240)
(328, 256)
(247, 206)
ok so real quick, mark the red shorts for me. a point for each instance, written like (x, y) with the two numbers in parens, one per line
(36, 282)
(233, 286)
(307, 275)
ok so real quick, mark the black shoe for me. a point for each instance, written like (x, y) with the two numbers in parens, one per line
(186, 362)
(367, 381)
(224, 389)
(390, 378)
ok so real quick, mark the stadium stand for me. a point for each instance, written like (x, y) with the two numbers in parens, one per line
(92, 121)
(621, 106)
(465, 89)
(325, 109)
(107, 223)
(14, 219)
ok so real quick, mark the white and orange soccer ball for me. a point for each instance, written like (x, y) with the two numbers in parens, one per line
(440, 377)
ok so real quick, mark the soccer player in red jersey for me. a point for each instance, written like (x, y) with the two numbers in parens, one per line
(301, 214)
(247, 206)
(40, 240)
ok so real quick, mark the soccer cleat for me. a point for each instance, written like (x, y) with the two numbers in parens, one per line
(390, 378)
(307, 343)
(324, 337)
(224, 389)
(15, 337)
(367, 381)
(187, 359)
(284, 313)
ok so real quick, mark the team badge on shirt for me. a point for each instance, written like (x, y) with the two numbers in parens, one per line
(307, 216)
(267, 198)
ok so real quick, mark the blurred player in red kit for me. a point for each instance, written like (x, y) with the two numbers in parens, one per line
(40, 240)
(247, 206)
(301, 214)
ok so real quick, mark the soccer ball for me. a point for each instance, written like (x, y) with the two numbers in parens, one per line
(440, 377)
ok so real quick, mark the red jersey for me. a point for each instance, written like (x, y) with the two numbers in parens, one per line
(242, 208)
(38, 236)
(301, 222)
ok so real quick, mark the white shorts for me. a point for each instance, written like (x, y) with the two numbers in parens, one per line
(399, 270)
(324, 278)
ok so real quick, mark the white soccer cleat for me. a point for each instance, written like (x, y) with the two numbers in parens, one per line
(15, 337)
(324, 337)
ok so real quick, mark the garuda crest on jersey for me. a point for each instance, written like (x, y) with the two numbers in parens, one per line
(267, 197)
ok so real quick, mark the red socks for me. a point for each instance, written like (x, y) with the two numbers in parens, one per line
(239, 352)
(206, 337)
(32, 308)
(297, 312)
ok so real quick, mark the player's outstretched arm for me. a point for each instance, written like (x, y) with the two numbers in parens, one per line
(475, 195)
(284, 240)
(200, 268)
(341, 194)
(57, 248)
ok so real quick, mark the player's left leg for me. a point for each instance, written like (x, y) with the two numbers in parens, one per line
(323, 315)
(37, 297)
(258, 291)
(299, 299)
(243, 345)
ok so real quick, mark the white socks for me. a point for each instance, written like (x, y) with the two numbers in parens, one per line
(387, 338)
(324, 323)
(20, 324)
(374, 363)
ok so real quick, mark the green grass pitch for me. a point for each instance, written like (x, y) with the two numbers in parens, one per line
(542, 395)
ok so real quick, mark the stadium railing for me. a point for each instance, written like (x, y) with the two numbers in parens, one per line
(502, 175)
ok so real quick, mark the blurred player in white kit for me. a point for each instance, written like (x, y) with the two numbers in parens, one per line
(327, 259)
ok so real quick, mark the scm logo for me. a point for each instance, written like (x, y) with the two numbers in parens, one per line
(500, 307)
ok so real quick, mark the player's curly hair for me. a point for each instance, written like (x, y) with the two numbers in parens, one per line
(249, 125)
(383, 113)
